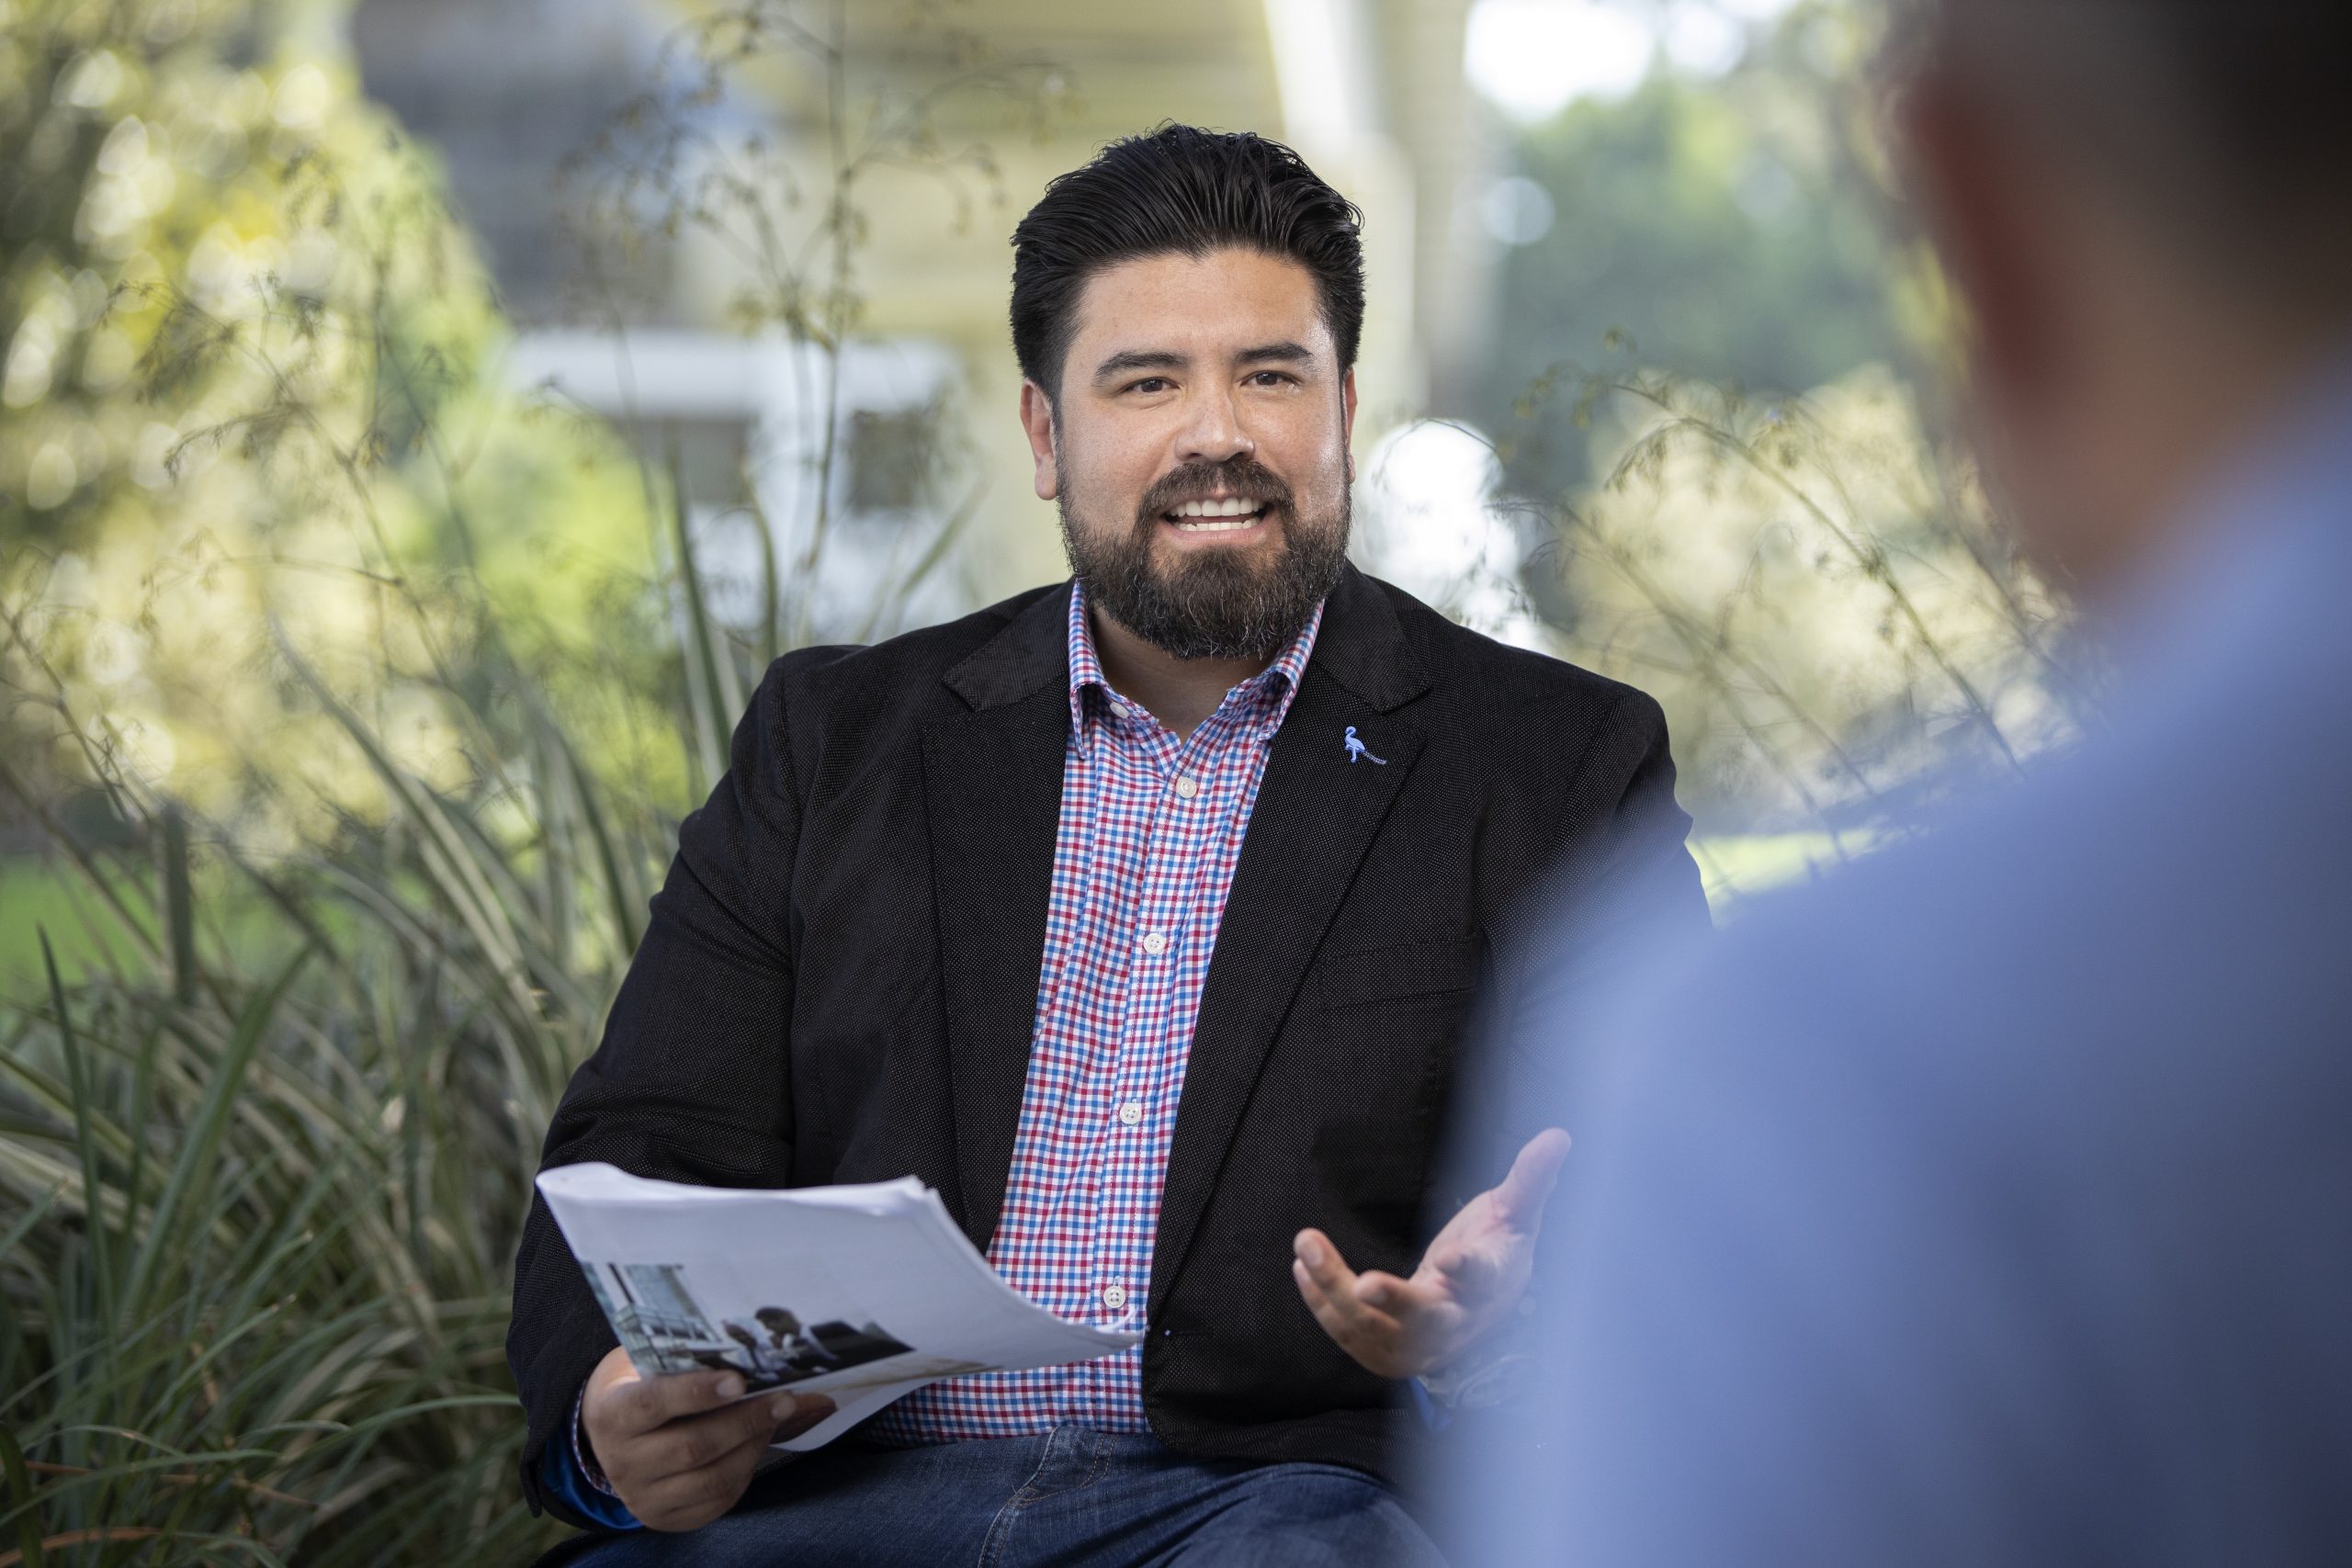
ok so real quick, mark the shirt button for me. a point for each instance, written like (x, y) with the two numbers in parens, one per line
(1155, 943)
(1188, 786)
(1114, 1296)
(1131, 1112)
(1118, 710)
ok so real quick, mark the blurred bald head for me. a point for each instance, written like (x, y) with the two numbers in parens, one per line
(2146, 206)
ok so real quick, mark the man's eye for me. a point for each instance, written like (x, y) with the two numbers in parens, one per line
(1149, 384)
(1273, 378)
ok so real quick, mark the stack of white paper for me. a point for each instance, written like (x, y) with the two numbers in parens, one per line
(862, 1293)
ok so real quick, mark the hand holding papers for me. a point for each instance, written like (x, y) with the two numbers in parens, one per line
(860, 1293)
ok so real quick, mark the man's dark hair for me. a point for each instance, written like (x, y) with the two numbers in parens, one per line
(1178, 190)
(2223, 121)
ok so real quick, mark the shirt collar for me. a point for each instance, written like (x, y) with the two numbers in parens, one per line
(1273, 686)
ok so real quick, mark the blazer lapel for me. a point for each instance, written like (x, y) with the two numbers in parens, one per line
(1316, 816)
(992, 786)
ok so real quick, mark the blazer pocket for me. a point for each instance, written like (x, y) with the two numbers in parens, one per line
(1398, 973)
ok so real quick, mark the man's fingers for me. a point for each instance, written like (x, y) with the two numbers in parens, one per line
(1385, 1292)
(1343, 1314)
(1322, 1262)
(1374, 1300)
(814, 1407)
(697, 1442)
(1520, 1199)
(640, 1405)
(1375, 1340)
(691, 1498)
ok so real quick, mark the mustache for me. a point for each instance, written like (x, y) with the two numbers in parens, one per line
(1244, 477)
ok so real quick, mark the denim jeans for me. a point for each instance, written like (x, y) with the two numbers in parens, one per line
(1070, 1498)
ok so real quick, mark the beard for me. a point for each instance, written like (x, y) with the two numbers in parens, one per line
(1216, 603)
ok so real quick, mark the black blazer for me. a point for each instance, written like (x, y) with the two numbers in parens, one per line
(841, 974)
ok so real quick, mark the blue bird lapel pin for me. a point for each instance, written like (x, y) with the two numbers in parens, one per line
(1356, 750)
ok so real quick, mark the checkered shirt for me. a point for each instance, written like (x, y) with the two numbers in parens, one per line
(1150, 831)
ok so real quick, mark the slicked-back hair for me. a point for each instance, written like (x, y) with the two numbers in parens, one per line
(1178, 190)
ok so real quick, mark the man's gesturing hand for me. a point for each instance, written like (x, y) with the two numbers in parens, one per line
(1471, 1278)
(676, 1448)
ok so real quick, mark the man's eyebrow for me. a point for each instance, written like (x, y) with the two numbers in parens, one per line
(1285, 351)
(1128, 360)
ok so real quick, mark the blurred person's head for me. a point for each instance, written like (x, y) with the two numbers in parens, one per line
(1185, 310)
(2145, 206)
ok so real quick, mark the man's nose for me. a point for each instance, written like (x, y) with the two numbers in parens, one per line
(1213, 431)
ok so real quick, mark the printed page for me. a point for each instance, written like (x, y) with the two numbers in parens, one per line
(862, 1293)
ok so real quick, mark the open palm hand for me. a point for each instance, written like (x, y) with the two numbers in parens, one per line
(1469, 1281)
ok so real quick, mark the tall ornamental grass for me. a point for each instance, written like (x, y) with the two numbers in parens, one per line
(349, 700)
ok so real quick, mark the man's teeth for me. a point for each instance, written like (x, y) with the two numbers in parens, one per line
(1224, 516)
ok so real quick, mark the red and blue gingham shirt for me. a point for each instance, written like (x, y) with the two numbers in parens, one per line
(1150, 831)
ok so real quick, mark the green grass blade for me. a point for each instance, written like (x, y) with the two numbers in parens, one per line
(192, 1171)
(102, 1245)
(23, 1505)
(179, 907)
(710, 665)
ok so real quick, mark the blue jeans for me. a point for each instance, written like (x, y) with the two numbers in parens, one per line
(1070, 1498)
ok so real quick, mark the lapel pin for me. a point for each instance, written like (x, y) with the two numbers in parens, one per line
(1356, 750)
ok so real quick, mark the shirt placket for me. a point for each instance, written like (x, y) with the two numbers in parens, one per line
(1187, 801)
(1146, 939)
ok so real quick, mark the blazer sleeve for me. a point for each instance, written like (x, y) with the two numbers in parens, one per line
(1629, 887)
(1628, 884)
(691, 1081)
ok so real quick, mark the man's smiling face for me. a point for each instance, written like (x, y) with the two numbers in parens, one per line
(1199, 450)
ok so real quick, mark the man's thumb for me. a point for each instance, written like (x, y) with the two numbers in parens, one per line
(1532, 1176)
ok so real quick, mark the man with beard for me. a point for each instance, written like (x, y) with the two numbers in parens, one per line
(1140, 917)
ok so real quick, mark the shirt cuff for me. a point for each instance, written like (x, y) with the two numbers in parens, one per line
(568, 1470)
(1490, 1373)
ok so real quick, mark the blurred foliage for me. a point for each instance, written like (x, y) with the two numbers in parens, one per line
(282, 710)
(1814, 589)
(1736, 230)
(252, 402)
(785, 218)
(351, 697)
(1817, 592)
(1716, 418)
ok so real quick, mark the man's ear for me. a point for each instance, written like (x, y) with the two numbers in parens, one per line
(1978, 214)
(1347, 420)
(1038, 419)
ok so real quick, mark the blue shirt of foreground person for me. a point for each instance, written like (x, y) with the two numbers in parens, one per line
(1991, 1203)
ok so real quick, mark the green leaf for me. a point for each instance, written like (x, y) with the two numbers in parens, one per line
(20, 1495)
(192, 1173)
(77, 1076)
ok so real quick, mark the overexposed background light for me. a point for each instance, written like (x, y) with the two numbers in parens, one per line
(1533, 57)
(1428, 519)
(1516, 210)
